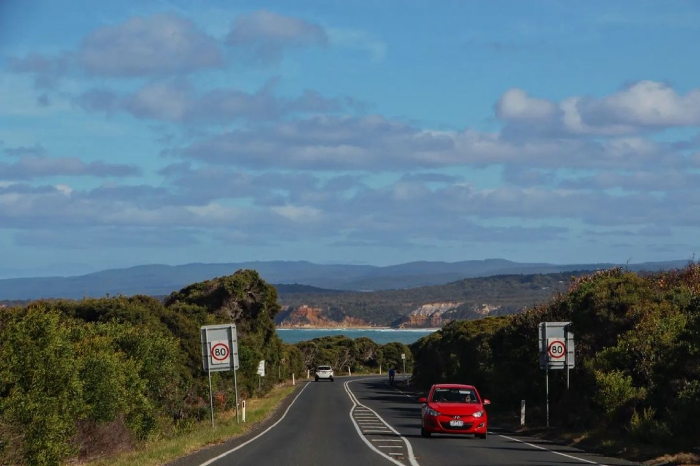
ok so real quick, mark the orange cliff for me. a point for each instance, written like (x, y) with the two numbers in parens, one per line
(313, 317)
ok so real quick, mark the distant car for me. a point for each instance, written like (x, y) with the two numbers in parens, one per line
(324, 372)
(454, 409)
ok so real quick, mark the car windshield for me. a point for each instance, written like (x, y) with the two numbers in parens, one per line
(323, 368)
(454, 395)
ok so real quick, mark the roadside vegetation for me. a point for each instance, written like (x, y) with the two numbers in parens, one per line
(163, 450)
(636, 385)
(119, 380)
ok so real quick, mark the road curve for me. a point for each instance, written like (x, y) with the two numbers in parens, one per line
(363, 421)
(316, 429)
(402, 411)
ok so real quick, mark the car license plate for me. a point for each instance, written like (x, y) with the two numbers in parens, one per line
(456, 423)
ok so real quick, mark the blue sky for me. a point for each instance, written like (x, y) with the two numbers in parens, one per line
(346, 132)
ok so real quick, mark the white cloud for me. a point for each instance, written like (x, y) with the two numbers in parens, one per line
(376, 143)
(36, 166)
(64, 188)
(516, 104)
(153, 46)
(297, 213)
(266, 34)
(642, 106)
(146, 46)
(178, 101)
(359, 40)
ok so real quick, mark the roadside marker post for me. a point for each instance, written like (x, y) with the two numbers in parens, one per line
(220, 353)
(522, 412)
(403, 357)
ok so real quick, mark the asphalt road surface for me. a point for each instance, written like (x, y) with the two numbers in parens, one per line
(357, 421)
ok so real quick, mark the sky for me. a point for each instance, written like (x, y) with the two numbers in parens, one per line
(363, 132)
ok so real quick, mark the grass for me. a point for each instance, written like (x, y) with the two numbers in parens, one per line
(602, 441)
(162, 451)
(623, 446)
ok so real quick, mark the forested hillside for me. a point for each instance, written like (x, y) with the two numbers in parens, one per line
(637, 356)
(128, 369)
(502, 294)
(86, 378)
(82, 378)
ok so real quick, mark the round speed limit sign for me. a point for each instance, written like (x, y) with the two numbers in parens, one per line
(556, 349)
(220, 352)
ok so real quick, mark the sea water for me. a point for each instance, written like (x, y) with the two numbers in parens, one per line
(380, 336)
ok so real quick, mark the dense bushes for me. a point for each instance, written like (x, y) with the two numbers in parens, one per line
(124, 369)
(358, 355)
(637, 354)
(58, 374)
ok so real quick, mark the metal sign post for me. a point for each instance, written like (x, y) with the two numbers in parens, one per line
(556, 351)
(546, 377)
(547, 384)
(566, 355)
(261, 373)
(220, 353)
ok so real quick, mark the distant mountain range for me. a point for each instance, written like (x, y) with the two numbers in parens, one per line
(158, 280)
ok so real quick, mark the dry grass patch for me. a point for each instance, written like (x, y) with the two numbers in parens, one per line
(686, 459)
(161, 451)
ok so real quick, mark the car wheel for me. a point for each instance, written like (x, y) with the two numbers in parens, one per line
(331, 379)
(481, 436)
(316, 379)
(424, 433)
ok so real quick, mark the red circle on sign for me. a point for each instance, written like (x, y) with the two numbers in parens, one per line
(221, 357)
(557, 355)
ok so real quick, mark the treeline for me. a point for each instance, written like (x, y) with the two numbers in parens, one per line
(511, 293)
(359, 355)
(82, 378)
(637, 356)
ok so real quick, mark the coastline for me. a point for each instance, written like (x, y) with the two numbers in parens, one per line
(381, 329)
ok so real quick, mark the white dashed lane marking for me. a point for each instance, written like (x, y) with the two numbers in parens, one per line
(378, 434)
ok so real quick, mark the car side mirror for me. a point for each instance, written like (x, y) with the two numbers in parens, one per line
(422, 400)
(487, 402)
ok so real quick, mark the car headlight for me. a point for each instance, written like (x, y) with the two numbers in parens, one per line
(478, 414)
(432, 412)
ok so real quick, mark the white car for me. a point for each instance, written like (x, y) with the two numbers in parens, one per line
(324, 372)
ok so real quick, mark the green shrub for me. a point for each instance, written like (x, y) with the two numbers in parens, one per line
(41, 392)
(615, 392)
(648, 429)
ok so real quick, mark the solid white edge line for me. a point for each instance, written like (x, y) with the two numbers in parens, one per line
(409, 447)
(550, 451)
(260, 434)
(523, 442)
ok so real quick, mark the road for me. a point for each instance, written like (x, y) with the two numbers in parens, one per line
(363, 421)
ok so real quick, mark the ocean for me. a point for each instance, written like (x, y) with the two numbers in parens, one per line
(380, 336)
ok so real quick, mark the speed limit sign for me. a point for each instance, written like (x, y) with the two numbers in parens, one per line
(220, 352)
(556, 348)
(219, 348)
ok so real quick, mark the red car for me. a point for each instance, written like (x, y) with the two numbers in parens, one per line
(454, 409)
